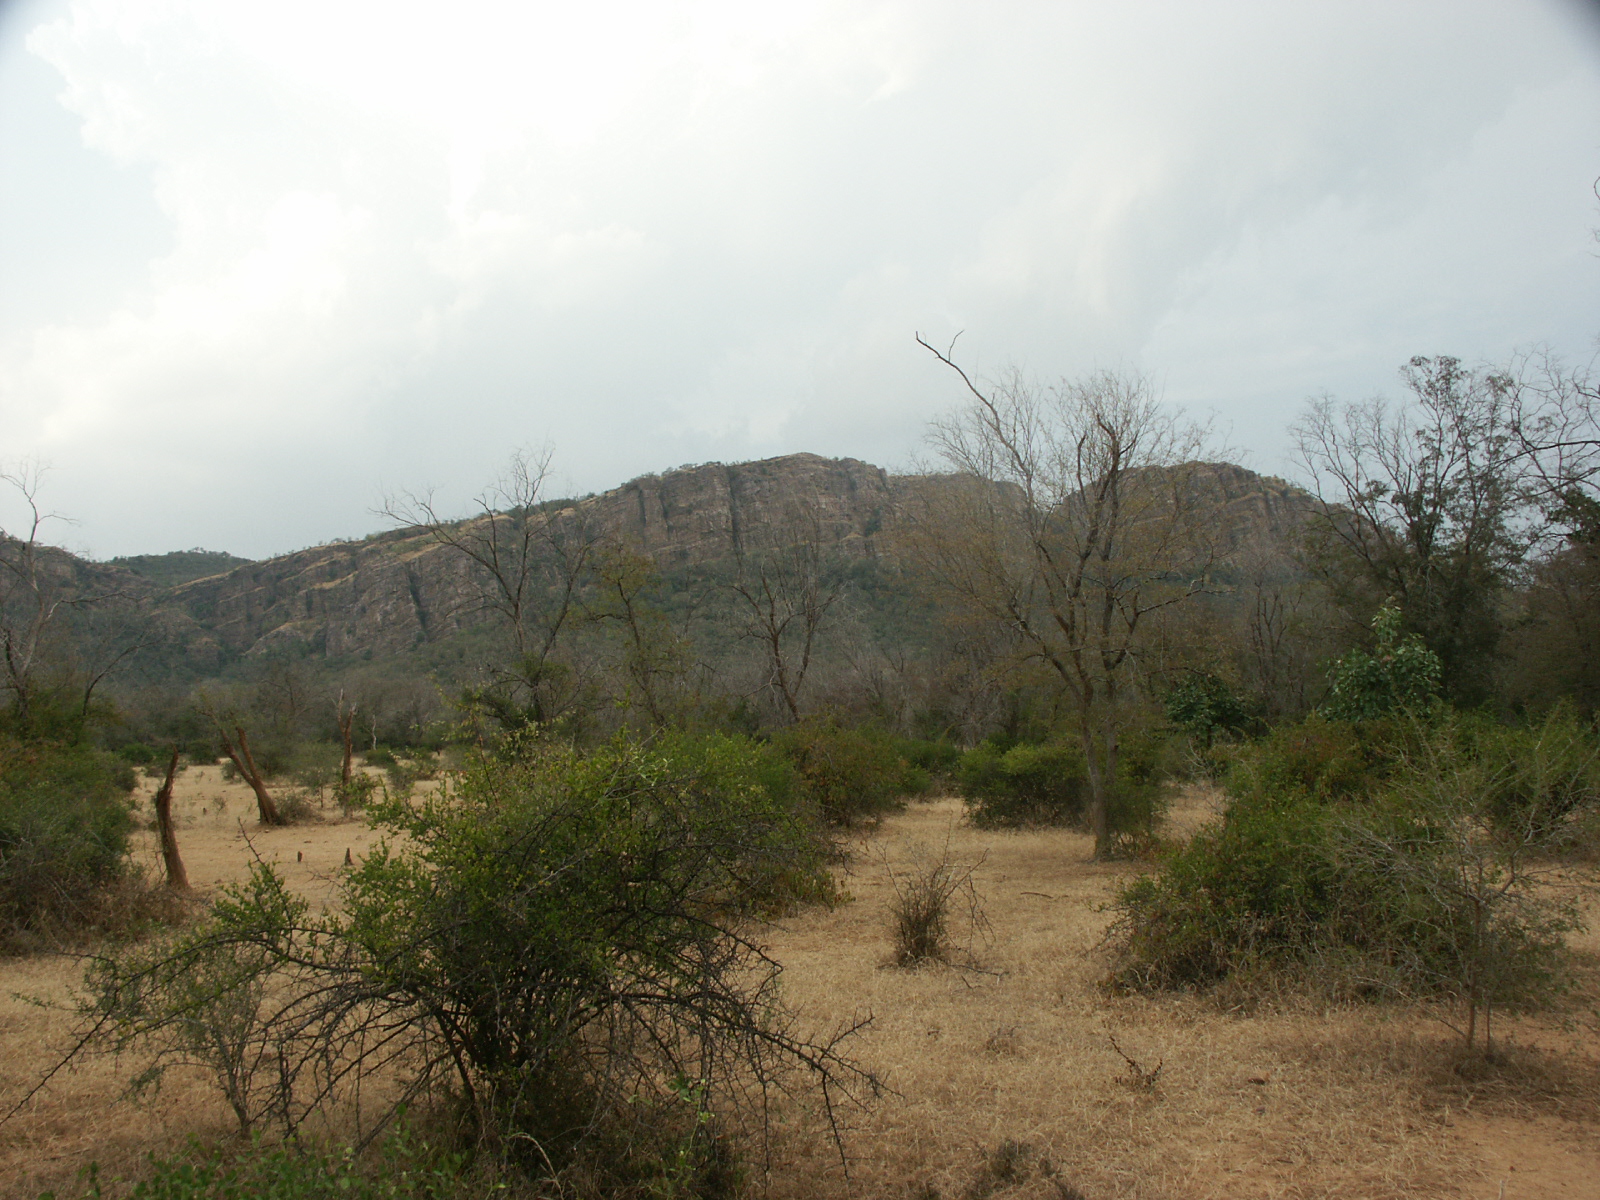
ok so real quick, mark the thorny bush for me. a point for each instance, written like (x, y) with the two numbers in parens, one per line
(563, 942)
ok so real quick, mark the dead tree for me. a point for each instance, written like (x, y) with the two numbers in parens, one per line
(347, 724)
(784, 593)
(177, 877)
(529, 557)
(244, 762)
(1072, 516)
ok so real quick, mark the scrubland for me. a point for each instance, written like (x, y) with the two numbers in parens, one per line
(1011, 1069)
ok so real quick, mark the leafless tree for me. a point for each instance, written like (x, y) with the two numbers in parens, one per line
(40, 594)
(657, 658)
(783, 593)
(529, 557)
(1072, 517)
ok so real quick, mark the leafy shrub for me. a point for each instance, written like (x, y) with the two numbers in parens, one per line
(1262, 886)
(314, 765)
(1417, 889)
(1030, 784)
(1537, 779)
(1317, 759)
(1400, 675)
(292, 1171)
(1205, 708)
(932, 763)
(847, 776)
(557, 937)
(64, 825)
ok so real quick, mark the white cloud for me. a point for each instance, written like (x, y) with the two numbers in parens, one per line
(403, 239)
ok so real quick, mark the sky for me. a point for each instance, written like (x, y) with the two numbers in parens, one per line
(263, 264)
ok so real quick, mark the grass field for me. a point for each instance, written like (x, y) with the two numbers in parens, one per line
(1004, 1075)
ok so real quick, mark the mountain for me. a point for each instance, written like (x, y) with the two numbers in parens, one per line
(392, 593)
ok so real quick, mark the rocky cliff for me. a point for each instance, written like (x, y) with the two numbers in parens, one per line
(392, 592)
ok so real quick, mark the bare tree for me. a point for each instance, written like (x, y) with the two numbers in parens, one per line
(783, 593)
(40, 593)
(177, 877)
(529, 557)
(1073, 517)
(656, 658)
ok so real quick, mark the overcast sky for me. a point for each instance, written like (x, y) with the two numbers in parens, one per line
(260, 263)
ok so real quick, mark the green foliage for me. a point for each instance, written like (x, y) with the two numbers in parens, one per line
(1418, 886)
(1205, 708)
(847, 775)
(557, 937)
(1047, 783)
(1402, 675)
(1261, 886)
(64, 824)
(407, 1169)
(1318, 759)
(1537, 779)
(1041, 783)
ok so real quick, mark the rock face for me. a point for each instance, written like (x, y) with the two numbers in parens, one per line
(389, 593)
(392, 592)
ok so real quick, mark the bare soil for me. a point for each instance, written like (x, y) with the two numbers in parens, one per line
(1005, 1081)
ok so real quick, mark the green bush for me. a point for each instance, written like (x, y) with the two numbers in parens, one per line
(931, 763)
(1041, 783)
(562, 935)
(1317, 759)
(1415, 887)
(64, 824)
(844, 775)
(1539, 779)
(1261, 887)
(406, 1170)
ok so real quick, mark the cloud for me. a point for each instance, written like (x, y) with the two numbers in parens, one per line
(402, 241)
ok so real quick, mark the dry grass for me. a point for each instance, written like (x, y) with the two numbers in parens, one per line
(1290, 1103)
(1006, 1078)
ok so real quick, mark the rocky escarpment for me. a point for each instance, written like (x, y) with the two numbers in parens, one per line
(392, 592)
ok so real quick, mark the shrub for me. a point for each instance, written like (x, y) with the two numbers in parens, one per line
(1318, 759)
(1029, 784)
(846, 776)
(558, 937)
(1538, 779)
(293, 1171)
(921, 906)
(1401, 675)
(1417, 889)
(64, 825)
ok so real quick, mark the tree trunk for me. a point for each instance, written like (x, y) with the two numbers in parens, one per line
(347, 722)
(177, 877)
(245, 763)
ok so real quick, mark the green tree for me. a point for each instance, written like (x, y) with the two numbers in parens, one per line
(1426, 505)
(1400, 675)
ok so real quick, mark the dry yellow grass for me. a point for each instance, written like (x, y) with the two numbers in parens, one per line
(1357, 1102)
(1011, 1044)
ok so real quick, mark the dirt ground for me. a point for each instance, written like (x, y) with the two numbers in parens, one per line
(1005, 1080)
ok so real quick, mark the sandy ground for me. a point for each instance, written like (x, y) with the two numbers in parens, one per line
(1012, 1043)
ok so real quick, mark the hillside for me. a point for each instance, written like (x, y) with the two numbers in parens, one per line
(394, 591)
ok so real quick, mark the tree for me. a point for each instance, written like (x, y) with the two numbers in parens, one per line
(656, 658)
(528, 558)
(783, 593)
(1425, 504)
(41, 593)
(1072, 518)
